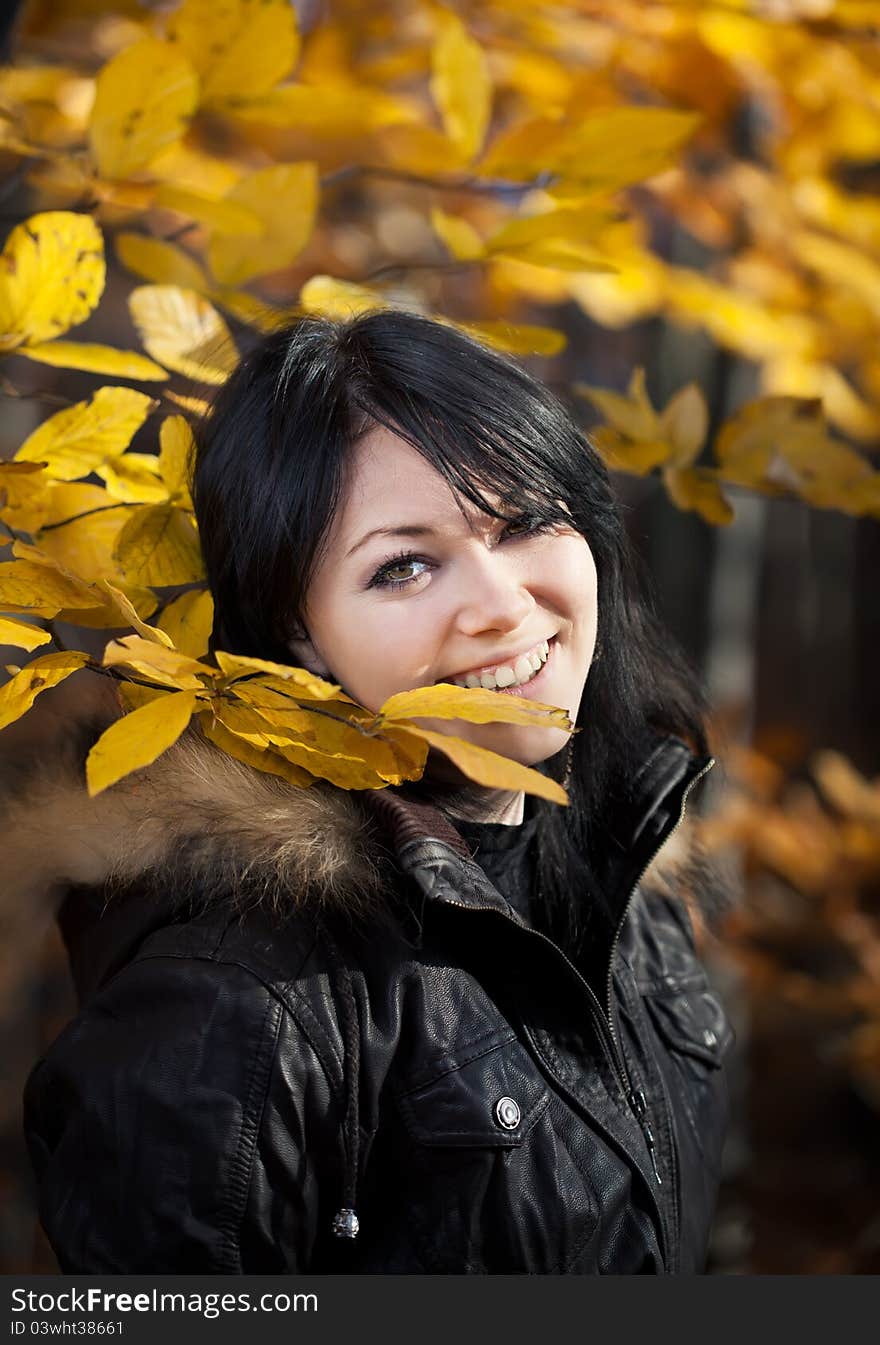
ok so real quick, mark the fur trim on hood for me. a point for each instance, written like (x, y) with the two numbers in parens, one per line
(205, 828)
(195, 819)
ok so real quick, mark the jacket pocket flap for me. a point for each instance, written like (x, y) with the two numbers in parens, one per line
(491, 1100)
(694, 1023)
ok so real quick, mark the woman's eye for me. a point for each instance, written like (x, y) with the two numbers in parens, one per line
(393, 573)
(525, 523)
(528, 523)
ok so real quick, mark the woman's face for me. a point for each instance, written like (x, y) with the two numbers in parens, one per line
(410, 592)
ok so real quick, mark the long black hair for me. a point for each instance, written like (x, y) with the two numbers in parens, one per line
(268, 476)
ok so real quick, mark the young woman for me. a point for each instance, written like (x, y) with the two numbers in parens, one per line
(433, 1028)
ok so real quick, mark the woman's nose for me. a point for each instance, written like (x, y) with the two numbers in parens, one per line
(495, 596)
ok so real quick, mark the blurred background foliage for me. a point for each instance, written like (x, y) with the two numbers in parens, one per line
(671, 211)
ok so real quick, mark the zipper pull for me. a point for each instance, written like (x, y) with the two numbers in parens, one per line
(640, 1107)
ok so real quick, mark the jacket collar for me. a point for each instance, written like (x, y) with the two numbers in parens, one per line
(429, 848)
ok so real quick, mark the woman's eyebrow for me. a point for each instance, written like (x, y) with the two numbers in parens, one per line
(411, 530)
(406, 530)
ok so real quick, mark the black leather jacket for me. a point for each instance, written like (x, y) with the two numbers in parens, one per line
(230, 1084)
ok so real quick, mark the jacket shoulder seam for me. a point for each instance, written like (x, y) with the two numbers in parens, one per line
(312, 1030)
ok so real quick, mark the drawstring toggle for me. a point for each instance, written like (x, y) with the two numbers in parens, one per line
(346, 1224)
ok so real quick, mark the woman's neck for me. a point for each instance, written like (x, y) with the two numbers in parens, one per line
(450, 790)
(486, 805)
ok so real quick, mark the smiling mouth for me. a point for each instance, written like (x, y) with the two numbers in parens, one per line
(511, 676)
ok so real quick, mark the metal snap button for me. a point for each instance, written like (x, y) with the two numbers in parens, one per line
(507, 1113)
(709, 1037)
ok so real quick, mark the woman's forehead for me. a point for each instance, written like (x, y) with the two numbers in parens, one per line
(387, 480)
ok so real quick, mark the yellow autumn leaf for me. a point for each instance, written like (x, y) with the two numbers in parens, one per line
(338, 298)
(516, 151)
(790, 376)
(79, 528)
(107, 616)
(341, 769)
(77, 440)
(188, 622)
(285, 197)
(698, 489)
(176, 448)
(577, 225)
(516, 338)
(144, 98)
(329, 109)
(262, 759)
(478, 705)
(460, 84)
(242, 665)
(748, 441)
(95, 359)
(559, 254)
(133, 695)
(491, 769)
(415, 148)
(601, 148)
(159, 261)
(851, 793)
(134, 478)
(458, 236)
(183, 331)
(129, 616)
(159, 546)
(283, 701)
(41, 587)
(248, 309)
(240, 48)
(20, 692)
(21, 634)
(157, 662)
(265, 728)
(24, 494)
(212, 211)
(685, 423)
(196, 406)
(137, 739)
(51, 277)
(621, 454)
(391, 753)
(631, 414)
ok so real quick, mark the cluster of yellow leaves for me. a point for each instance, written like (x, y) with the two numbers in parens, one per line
(225, 117)
(277, 718)
(516, 96)
(52, 275)
(248, 222)
(773, 445)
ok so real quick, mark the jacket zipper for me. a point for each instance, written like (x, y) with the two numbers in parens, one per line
(635, 1097)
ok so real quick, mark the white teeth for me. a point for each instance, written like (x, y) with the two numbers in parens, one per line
(522, 671)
